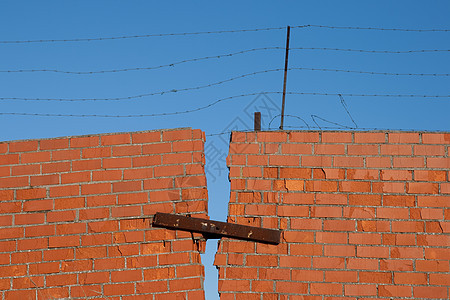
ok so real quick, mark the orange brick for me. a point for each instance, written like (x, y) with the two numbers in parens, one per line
(422, 188)
(88, 141)
(284, 160)
(98, 152)
(316, 161)
(408, 162)
(33, 157)
(333, 199)
(392, 213)
(396, 149)
(291, 287)
(410, 278)
(433, 292)
(429, 150)
(396, 175)
(337, 137)
(404, 137)
(175, 135)
(354, 186)
(339, 250)
(56, 167)
(9, 159)
(372, 251)
(348, 161)
(293, 211)
(341, 276)
(438, 162)
(329, 149)
(52, 144)
(436, 138)
(328, 262)
(321, 186)
(360, 290)
(303, 137)
(362, 263)
(362, 150)
(378, 162)
(370, 137)
(65, 155)
(44, 180)
(295, 148)
(339, 225)
(115, 163)
(75, 177)
(29, 218)
(326, 211)
(23, 146)
(82, 165)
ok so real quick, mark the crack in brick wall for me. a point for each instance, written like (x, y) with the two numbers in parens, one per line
(74, 216)
(365, 215)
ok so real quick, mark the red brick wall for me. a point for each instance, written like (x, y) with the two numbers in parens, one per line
(71, 216)
(364, 214)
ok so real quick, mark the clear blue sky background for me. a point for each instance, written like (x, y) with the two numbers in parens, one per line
(34, 20)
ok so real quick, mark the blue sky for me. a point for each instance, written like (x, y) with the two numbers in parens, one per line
(35, 20)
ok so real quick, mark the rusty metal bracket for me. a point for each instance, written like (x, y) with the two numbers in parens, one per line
(216, 229)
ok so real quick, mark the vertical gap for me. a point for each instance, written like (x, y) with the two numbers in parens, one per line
(210, 284)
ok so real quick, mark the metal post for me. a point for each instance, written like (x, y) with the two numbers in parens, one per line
(285, 76)
(257, 123)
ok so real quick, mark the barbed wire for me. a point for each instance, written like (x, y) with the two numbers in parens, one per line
(138, 36)
(216, 102)
(143, 68)
(216, 32)
(168, 91)
(248, 51)
(373, 28)
(371, 51)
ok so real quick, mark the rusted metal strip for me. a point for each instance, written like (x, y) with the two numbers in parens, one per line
(216, 229)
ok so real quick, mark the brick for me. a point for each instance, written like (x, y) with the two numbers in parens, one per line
(359, 212)
(34, 157)
(65, 155)
(348, 161)
(284, 160)
(316, 161)
(331, 199)
(339, 250)
(360, 290)
(118, 289)
(23, 146)
(396, 265)
(404, 137)
(28, 194)
(354, 186)
(362, 263)
(370, 137)
(438, 162)
(378, 162)
(328, 262)
(410, 278)
(331, 237)
(326, 211)
(422, 188)
(326, 288)
(372, 251)
(61, 216)
(96, 152)
(436, 138)
(107, 175)
(396, 175)
(291, 287)
(175, 135)
(392, 213)
(428, 150)
(396, 150)
(29, 218)
(362, 150)
(53, 144)
(84, 165)
(81, 142)
(341, 276)
(57, 167)
(321, 186)
(408, 162)
(303, 137)
(25, 170)
(329, 149)
(9, 159)
(339, 225)
(44, 180)
(95, 188)
(433, 292)
(63, 241)
(59, 254)
(397, 291)
(75, 177)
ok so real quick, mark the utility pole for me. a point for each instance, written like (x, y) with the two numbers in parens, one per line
(285, 76)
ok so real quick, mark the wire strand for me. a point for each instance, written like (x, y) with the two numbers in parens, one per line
(248, 51)
(216, 32)
(142, 68)
(214, 103)
(138, 36)
(289, 93)
(372, 28)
